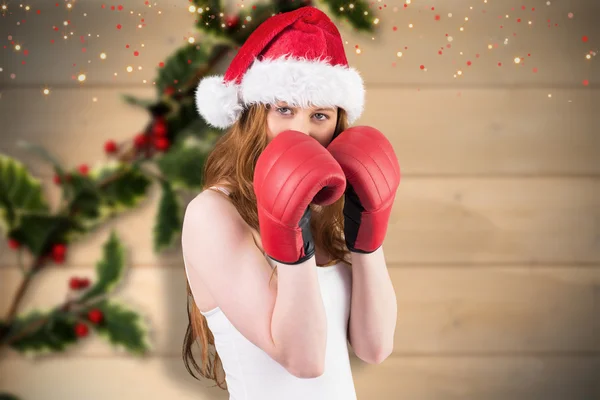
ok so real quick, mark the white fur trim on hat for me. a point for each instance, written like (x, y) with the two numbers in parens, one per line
(304, 83)
(217, 102)
(298, 82)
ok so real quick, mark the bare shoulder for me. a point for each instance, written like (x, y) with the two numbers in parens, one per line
(213, 209)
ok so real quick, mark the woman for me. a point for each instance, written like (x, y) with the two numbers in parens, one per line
(288, 88)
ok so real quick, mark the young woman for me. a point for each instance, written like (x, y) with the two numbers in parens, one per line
(283, 200)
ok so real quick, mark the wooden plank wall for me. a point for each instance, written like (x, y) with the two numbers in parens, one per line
(494, 242)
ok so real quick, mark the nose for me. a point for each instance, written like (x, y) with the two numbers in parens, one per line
(300, 125)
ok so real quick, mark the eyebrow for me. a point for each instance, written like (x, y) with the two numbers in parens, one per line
(284, 104)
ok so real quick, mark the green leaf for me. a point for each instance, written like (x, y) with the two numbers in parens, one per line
(181, 68)
(8, 396)
(355, 15)
(186, 120)
(109, 270)
(183, 164)
(86, 203)
(19, 192)
(168, 219)
(36, 230)
(129, 99)
(53, 332)
(123, 327)
(123, 186)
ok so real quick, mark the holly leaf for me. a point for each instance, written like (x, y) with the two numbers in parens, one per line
(134, 101)
(182, 68)
(182, 165)
(122, 186)
(168, 219)
(35, 230)
(358, 16)
(19, 192)
(109, 270)
(40, 332)
(123, 327)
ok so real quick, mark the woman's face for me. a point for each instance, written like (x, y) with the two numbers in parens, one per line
(316, 122)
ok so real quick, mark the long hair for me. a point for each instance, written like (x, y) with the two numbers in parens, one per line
(233, 158)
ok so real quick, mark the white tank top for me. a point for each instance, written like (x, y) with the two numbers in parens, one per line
(251, 374)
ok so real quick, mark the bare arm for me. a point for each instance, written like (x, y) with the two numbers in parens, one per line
(299, 320)
(374, 308)
(284, 317)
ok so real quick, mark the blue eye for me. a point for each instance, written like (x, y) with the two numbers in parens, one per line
(324, 117)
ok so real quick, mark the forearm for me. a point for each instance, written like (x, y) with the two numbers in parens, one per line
(299, 324)
(373, 307)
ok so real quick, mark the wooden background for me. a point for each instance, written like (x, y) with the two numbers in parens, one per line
(494, 242)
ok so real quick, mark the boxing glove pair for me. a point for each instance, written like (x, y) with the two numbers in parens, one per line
(295, 170)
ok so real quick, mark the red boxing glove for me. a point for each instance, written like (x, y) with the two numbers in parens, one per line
(373, 174)
(293, 171)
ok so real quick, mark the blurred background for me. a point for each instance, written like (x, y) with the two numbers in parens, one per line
(494, 241)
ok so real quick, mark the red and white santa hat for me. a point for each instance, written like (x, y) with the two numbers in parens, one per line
(297, 57)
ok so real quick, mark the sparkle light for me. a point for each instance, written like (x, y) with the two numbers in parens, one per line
(517, 60)
(46, 91)
(103, 56)
(399, 54)
(192, 9)
(191, 40)
(81, 77)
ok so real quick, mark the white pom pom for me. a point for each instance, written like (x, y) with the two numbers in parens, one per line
(217, 102)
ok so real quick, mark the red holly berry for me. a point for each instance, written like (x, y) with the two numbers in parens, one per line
(84, 169)
(169, 90)
(159, 128)
(81, 329)
(57, 179)
(13, 244)
(161, 143)
(95, 316)
(110, 146)
(232, 21)
(84, 283)
(140, 140)
(74, 283)
(58, 252)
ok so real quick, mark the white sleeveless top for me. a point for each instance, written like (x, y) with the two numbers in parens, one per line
(251, 374)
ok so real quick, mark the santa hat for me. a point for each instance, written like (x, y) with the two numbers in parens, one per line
(297, 57)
